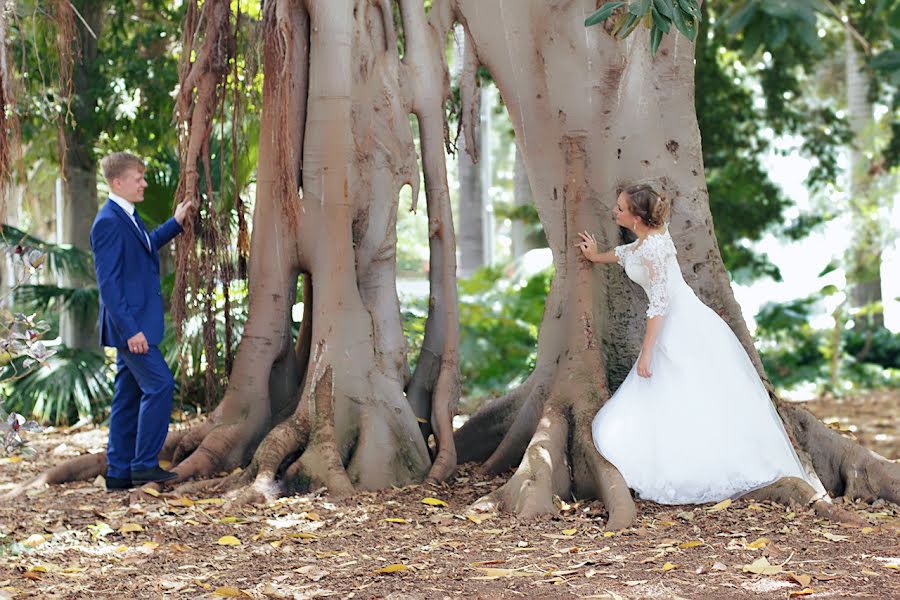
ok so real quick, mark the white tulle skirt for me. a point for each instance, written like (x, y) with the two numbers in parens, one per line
(702, 427)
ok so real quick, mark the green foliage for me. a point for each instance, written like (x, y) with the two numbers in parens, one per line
(499, 320)
(191, 372)
(72, 385)
(656, 15)
(793, 352)
(61, 258)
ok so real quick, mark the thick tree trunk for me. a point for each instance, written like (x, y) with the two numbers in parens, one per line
(341, 103)
(79, 330)
(589, 115)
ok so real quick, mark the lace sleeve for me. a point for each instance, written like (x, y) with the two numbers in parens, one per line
(620, 254)
(654, 256)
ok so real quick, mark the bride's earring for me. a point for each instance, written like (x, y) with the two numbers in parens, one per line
(634, 225)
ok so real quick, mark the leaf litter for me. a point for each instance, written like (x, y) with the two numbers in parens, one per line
(422, 541)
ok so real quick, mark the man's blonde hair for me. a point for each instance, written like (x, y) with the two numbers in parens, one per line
(117, 163)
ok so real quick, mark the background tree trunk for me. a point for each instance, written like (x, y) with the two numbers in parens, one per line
(79, 330)
(866, 245)
(471, 207)
(524, 236)
(475, 212)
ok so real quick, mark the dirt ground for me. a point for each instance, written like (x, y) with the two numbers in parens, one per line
(77, 541)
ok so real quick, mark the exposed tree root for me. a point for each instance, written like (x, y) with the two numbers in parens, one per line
(480, 435)
(181, 444)
(793, 491)
(80, 468)
(543, 473)
(510, 449)
(844, 466)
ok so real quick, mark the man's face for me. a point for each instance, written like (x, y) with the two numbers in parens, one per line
(130, 185)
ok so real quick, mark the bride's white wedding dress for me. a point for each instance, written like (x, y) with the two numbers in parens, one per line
(702, 427)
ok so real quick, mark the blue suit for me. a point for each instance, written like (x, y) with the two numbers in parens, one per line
(127, 271)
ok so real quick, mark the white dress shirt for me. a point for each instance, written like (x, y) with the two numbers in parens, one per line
(128, 207)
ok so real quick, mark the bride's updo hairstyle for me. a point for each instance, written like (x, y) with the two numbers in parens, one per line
(644, 202)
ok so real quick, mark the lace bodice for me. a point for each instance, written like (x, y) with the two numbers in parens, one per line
(652, 265)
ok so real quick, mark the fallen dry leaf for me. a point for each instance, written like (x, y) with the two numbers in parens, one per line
(34, 541)
(151, 491)
(495, 573)
(803, 580)
(229, 540)
(720, 506)
(803, 592)
(572, 531)
(130, 528)
(433, 502)
(668, 566)
(395, 568)
(692, 544)
(396, 520)
(228, 592)
(758, 543)
(761, 566)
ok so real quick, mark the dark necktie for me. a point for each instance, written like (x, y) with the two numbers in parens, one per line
(140, 224)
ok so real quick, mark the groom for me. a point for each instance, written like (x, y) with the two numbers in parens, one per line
(126, 260)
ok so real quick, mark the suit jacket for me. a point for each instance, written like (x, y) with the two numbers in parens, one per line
(128, 276)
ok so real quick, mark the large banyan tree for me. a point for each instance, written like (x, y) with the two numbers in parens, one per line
(337, 405)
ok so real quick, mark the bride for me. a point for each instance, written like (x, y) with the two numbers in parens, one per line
(692, 422)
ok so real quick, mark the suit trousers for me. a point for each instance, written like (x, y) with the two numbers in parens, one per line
(140, 412)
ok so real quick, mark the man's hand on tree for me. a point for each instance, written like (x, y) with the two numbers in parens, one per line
(137, 344)
(181, 211)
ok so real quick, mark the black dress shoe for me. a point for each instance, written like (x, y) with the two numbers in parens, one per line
(155, 475)
(118, 483)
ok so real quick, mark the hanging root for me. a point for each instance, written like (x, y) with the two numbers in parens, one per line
(446, 397)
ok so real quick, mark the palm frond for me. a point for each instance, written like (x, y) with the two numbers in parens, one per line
(72, 385)
(82, 302)
(63, 258)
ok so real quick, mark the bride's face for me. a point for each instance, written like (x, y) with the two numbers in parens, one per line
(623, 215)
